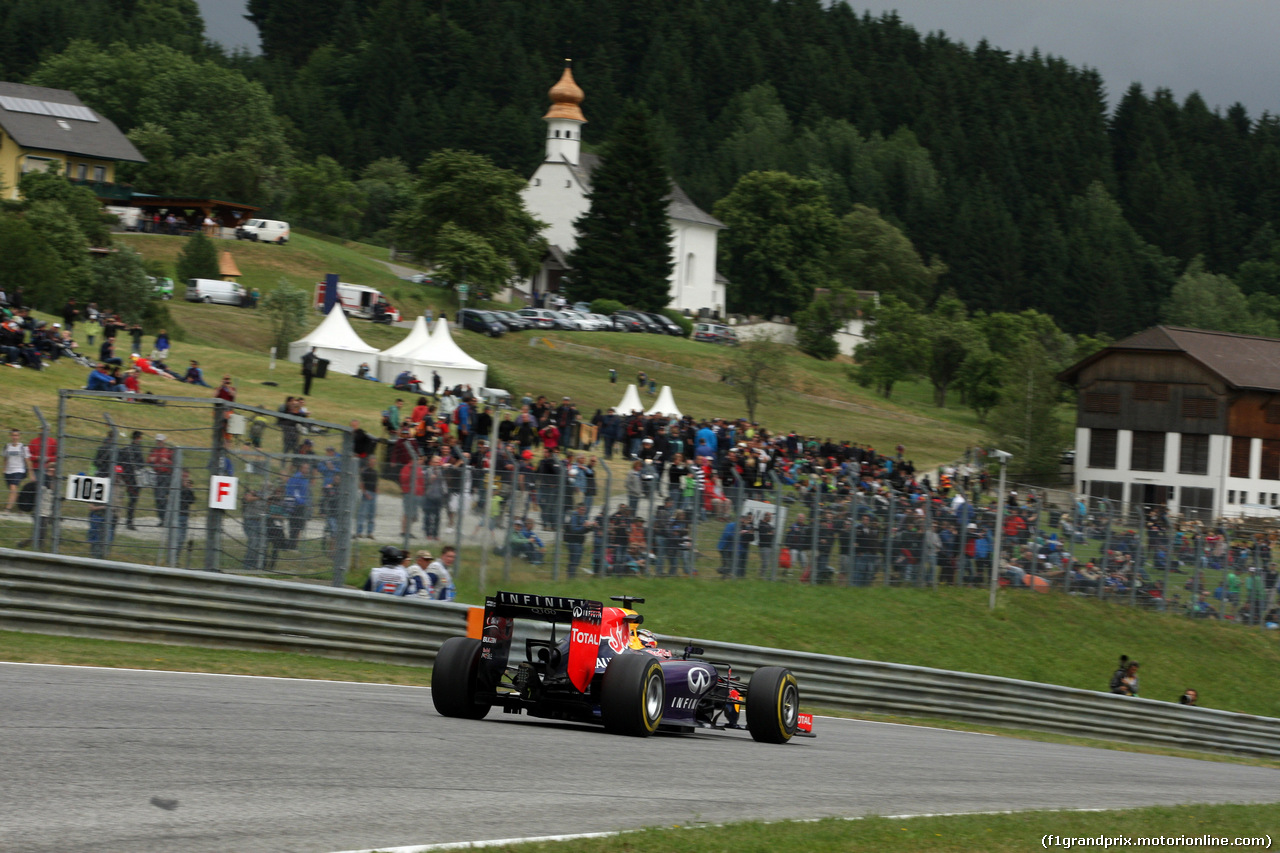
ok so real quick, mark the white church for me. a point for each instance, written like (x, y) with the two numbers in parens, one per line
(557, 194)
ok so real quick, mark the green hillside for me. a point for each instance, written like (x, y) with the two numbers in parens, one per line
(235, 340)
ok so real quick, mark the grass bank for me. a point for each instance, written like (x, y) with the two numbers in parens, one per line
(237, 341)
(994, 833)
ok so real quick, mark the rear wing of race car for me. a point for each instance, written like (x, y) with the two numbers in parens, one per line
(503, 608)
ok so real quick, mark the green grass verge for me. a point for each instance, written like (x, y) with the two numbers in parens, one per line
(993, 833)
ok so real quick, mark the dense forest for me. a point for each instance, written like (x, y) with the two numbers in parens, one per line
(1008, 169)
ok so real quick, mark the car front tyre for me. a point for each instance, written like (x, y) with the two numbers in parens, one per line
(633, 693)
(773, 705)
(454, 679)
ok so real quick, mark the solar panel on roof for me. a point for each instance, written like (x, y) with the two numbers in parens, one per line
(23, 105)
(46, 108)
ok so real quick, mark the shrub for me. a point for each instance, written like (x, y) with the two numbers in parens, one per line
(685, 324)
(606, 306)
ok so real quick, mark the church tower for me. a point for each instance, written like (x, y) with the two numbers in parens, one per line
(565, 120)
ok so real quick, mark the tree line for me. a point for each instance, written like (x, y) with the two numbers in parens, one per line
(1015, 185)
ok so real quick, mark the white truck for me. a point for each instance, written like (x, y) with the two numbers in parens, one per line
(357, 300)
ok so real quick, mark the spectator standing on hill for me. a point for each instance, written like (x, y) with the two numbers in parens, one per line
(16, 464)
(308, 370)
(70, 313)
(161, 352)
(160, 459)
(226, 391)
(367, 512)
(298, 492)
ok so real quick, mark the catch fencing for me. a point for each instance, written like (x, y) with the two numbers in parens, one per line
(97, 598)
(128, 477)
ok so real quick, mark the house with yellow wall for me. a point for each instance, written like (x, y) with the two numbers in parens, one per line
(42, 128)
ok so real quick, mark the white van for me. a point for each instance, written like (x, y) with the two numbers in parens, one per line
(264, 231)
(212, 290)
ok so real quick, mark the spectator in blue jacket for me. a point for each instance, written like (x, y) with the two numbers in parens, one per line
(195, 375)
(102, 380)
(298, 494)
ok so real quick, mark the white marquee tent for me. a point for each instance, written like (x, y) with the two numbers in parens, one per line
(438, 352)
(335, 340)
(666, 405)
(630, 402)
(417, 336)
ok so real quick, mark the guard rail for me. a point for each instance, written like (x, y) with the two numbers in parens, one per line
(98, 598)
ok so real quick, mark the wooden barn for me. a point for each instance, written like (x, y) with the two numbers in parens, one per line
(1187, 418)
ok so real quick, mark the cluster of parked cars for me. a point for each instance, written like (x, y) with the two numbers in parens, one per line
(497, 323)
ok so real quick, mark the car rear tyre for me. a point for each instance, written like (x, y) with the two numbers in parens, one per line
(454, 682)
(633, 693)
(773, 705)
(207, 300)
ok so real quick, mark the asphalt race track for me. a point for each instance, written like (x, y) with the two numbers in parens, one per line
(116, 760)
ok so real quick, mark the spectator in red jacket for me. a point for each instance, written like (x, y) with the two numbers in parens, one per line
(413, 484)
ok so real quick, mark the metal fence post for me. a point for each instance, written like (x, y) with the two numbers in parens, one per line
(600, 541)
(888, 538)
(42, 484)
(59, 457)
(213, 517)
(1106, 545)
(108, 532)
(557, 518)
(171, 509)
(464, 497)
(348, 495)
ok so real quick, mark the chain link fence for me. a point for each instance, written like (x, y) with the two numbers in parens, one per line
(130, 479)
(537, 515)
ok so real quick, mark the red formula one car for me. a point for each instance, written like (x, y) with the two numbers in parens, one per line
(603, 668)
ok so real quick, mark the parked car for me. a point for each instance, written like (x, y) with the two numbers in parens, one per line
(588, 321)
(513, 321)
(715, 333)
(568, 322)
(542, 318)
(604, 322)
(484, 322)
(212, 290)
(646, 324)
(264, 231)
(162, 287)
(671, 327)
(623, 322)
(582, 307)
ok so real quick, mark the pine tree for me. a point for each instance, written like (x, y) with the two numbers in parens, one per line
(624, 240)
(198, 259)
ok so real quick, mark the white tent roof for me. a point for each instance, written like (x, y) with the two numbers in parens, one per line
(435, 351)
(630, 402)
(442, 349)
(334, 332)
(335, 341)
(666, 404)
(417, 336)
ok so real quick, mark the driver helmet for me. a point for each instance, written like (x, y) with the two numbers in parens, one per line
(391, 555)
(646, 638)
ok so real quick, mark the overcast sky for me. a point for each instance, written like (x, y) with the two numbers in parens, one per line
(1225, 49)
